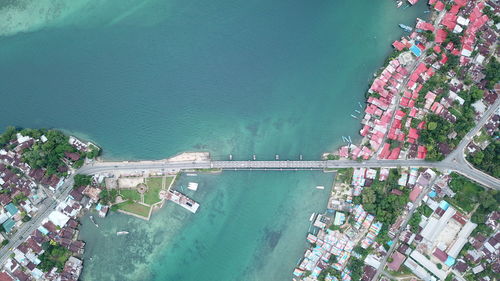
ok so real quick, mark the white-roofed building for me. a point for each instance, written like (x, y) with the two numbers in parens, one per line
(429, 265)
(462, 236)
(58, 218)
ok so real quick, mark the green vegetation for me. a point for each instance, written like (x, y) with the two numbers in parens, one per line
(5, 242)
(439, 128)
(414, 221)
(378, 200)
(492, 72)
(488, 160)
(130, 194)
(344, 175)
(55, 255)
(469, 195)
(429, 35)
(154, 186)
(108, 196)
(332, 157)
(491, 14)
(48, 155)
(82, 180)
(135, 208)
(356, 267)
(329, 271)
(19, 198)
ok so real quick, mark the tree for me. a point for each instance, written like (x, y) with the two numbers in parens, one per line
(82, 180)
(475, 93)
(492, 72)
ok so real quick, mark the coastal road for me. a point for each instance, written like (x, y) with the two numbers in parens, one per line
(166, 166)
(46, 207)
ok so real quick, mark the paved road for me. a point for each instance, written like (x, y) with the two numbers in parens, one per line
(454, 162)
(395, 241)
(466, 170)
(46, 207)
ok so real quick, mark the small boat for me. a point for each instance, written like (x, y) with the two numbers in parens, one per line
(344, 139)
(320, 187)
(405, 27)
(350, 139)
(360, 106)
(354, 116)
(93, 221)
(357, 111)
(191, 175)
(399, 4)
(312, 217)
(193, 186)
(122, 233)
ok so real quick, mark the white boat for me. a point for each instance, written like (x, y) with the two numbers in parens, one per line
(191, 175)
(320, 187)
(312, 217)
(122, 233)
(93, 221)
(193, 186)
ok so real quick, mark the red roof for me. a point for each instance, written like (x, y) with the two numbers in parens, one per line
(424, 25)
(444, 58)
(413, 2)
(384, 153)
(395, 153)
(454, 10)
(437, 49)
(421, 152)
(461, 3)
(397, 260)
(398, 45)
(439, 6)
(431, 2)
(4, 276)
(415, 192)
(441, 35)
(442, 256)
(449, 20)
(413, 133)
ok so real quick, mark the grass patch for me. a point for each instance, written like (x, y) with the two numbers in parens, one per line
(134, 208)
(467, 193)
(154, 187)
(130, 194)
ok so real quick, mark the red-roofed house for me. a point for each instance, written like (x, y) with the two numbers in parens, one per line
(397, 260)
(424, 25)
(395, 153)
(413, 133)
(439, 6)
(437, 49)
(441, 35)
(398, 45)
(415, 192)
(421, 152)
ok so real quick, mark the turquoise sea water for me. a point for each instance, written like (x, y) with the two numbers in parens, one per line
(149, 79)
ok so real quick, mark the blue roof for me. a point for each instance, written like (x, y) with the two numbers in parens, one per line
(8, 225)
(389, 243)
(432, 194)
(450, 261)
(43, 230)
(416, 50)
(98, 207)
(11, 209)
(444, 205)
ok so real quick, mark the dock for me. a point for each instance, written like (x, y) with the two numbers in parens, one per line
(182, 200)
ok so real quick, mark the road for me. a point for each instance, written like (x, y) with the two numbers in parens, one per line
(46, 207)
(454, 162)
(402, 228)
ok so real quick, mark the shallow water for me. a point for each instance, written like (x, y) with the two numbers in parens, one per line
(149, 79)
